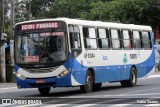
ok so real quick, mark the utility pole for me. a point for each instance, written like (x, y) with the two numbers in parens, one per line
(2, 50)
(12, 33)
(29, 13)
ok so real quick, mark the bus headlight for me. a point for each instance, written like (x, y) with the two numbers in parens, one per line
(64, 73)
(20, 76)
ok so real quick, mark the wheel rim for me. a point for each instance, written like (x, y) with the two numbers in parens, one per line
(89, 83)
(133, 77)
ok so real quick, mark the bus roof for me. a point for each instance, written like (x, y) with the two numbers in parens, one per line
(94, 23)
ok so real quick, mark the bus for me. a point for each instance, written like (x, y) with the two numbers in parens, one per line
(63, 52)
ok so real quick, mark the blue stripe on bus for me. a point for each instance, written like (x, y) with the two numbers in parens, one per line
(102, 74)
(113, 73)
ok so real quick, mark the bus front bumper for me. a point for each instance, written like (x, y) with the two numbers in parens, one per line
(44, 82)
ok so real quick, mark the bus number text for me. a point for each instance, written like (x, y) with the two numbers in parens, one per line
(89, 55)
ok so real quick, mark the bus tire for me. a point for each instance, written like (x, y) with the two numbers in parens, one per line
(97, 86)
(44, 91)
(132, 81)
(88, 83)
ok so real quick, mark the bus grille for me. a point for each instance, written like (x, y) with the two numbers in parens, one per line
(41, 70)
(42, 84)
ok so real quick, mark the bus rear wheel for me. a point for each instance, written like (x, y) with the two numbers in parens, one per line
(44, 91)
(88, 83)
(132, 81)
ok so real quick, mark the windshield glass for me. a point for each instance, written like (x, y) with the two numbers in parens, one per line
(43, 47)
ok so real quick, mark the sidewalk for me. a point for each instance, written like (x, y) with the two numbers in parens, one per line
(157, 73)
(6, 85)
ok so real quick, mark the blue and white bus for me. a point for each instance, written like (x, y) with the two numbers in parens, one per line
(65, 52)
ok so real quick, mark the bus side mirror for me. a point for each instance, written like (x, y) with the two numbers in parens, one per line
(74, 54)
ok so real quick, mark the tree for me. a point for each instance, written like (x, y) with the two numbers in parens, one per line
(2, 51)
(127, 11)
(70, 8)
(123, 11)
(42, 8)
(60, 8)
(21, 11)
(6, 17)
(98, 11)
(133, 11)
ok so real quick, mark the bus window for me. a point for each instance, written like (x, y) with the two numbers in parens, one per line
(137, 39)
(20, 48)
(103, 41)
(146, 40)
(90, 38)
(33, 44)
(27, 46)
(126, 39)
(75, 40)
(115, 39)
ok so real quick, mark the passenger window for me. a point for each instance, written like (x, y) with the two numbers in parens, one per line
(127, 43)
(92, 32)
(146, 40)
(90, 40)
(137, 39)
(103, 40)
(115, 39)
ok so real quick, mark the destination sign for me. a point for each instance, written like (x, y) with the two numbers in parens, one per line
(52, 34)
(36, 26)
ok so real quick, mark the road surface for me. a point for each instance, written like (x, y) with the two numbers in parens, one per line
(145, 94)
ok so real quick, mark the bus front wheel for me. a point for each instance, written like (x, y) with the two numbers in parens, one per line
(44, 91)
(88, 83)
(132, 81)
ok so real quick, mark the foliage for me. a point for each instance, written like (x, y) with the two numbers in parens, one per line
(145, 12)
(42, 8)
(134, 11)
(126, 11)
(6, 18)
(69, 8)
(21, 12)
(98, 11)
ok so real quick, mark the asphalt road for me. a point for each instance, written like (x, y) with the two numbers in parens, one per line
(145, 94)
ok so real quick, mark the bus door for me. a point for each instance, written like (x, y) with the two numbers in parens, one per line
(75, 44)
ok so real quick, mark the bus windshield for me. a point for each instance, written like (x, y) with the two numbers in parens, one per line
(44, 47)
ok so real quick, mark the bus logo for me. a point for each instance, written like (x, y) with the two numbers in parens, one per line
(125, 60)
